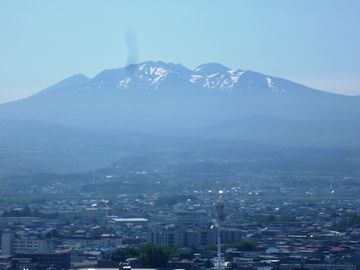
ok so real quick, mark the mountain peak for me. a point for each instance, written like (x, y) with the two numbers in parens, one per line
(73, 80)
(210, 68)
(70, 82)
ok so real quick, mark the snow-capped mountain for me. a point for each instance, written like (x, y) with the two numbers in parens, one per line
(165, 97)
(160, 76)
(90, 121)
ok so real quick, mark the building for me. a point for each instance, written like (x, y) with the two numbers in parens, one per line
(17, 243)
(42, 261)
(168, 236)
(102, 241)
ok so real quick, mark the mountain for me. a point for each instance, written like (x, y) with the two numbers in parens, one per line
(159, 76)
(153, 95)
(164, 101)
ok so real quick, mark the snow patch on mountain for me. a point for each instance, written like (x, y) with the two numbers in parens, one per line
(195, 78)
(226, 80)
(124, 82)
(269, 82)
(274, 87)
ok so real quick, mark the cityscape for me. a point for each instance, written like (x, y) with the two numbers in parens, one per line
(179, 135)
(267, 222)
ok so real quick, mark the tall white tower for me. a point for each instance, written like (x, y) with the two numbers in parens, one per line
(219, 207)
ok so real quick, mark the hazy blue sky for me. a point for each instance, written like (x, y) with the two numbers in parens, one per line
(313, 42)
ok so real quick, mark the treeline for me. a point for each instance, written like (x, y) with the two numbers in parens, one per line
(175, 199)
(151, 256)
(27, 212)
(265, 219)
(352, 220)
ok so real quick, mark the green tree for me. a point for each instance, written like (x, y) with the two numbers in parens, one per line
(245, 245)
(52, 234)
(122, 254)
(155, 256)
(354, 219)
(211, 247)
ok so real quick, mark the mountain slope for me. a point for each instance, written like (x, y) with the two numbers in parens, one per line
(156, 93)
(82, 123)
(165, 98)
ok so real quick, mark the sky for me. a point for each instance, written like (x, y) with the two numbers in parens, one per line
(316, 43)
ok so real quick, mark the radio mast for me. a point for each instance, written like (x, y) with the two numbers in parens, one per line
(219, 207)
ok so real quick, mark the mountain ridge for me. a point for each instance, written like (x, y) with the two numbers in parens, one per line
(162, 95)
(158, 76)
(150, 75)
